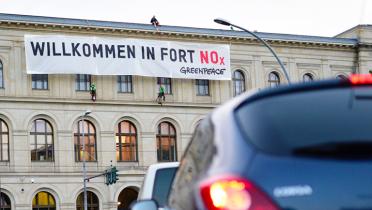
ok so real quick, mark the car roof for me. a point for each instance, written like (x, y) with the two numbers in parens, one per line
(253, 95)
(157, 166)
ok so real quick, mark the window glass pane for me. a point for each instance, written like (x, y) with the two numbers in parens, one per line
(49, 139)
(40, 139)
(51, 200)
(4, 128)
(307, 77)
(89, 139)
(172, 131)
(4, 139)
(164, 128)
(124, 127)
(40, 125)
(42, 198)
(5, 155)
(1, 75)
(49, 128)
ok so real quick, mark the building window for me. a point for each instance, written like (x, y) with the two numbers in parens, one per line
(307, 77)
(341, 76)
(82, 82)
(92, 201)
(4, 141)
(43, 201)
(166, 83)
(5, 202)
(40, 81)
(89, 133)
(166, 142)
(41, 141)
(126, 141)
(202, 87)
(238, 82)
(274, 80)
(125, 84)
(1, 75)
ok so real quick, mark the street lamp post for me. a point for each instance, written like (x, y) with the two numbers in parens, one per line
(227, 23)
(84, 167)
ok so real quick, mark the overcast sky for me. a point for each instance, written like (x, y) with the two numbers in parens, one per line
(308, 17)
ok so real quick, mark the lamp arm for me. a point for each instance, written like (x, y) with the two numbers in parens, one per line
(268, 46)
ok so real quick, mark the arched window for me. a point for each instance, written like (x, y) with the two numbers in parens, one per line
(1, 75)
(274, 79)
(89, 133)
(92, 201)
(166, 142)
(43, 201)
(5, 203)
(126, 197)
(126, 141)
(307, 77)
(341, 76)
(4, 141)
(238, 82)
(41, 141)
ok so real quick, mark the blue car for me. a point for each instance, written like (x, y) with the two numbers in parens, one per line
(300, 147)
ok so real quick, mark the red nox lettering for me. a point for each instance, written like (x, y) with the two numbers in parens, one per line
(211, 57)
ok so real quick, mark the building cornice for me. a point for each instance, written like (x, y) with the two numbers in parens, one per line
(38, 23)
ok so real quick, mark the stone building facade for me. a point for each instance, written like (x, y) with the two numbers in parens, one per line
(40, 155)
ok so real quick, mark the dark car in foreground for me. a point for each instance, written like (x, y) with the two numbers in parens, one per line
(299, 147)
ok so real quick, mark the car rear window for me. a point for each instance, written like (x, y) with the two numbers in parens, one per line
(162, 185)
(320, 123)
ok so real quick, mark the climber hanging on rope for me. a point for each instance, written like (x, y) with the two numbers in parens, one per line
(93, 90)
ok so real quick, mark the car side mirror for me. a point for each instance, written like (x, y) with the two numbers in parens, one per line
(144, 205)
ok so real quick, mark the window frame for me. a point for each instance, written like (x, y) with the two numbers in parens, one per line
(7, 200)
(50, 206)
(166, 82)
(90, 198)
(42, 79)
(87, 134)
(4, 133)
(202, 87)
(125, 83)
(237, 80)
(1, 75)
(34, 139)
(170, 137)
(307, 77)
(120, 136)
(85, 79)
(273, 82)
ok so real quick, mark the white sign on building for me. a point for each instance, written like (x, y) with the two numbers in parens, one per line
(52, 54)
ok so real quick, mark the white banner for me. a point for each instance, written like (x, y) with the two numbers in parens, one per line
(51, 54)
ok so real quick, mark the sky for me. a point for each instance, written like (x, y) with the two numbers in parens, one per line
(306, 17)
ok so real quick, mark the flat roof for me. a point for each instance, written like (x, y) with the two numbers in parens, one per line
(172, 29)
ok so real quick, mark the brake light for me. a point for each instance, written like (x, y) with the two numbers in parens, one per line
(232, 192)
(361, 79)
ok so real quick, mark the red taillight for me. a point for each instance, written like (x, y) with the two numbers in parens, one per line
(232, 192)
(361, 79)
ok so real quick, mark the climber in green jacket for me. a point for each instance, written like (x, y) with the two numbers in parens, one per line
(93, 90)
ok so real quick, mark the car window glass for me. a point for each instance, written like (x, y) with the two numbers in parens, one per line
(163, 181)
(323, 122)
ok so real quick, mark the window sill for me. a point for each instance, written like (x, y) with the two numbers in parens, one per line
(36, 89)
